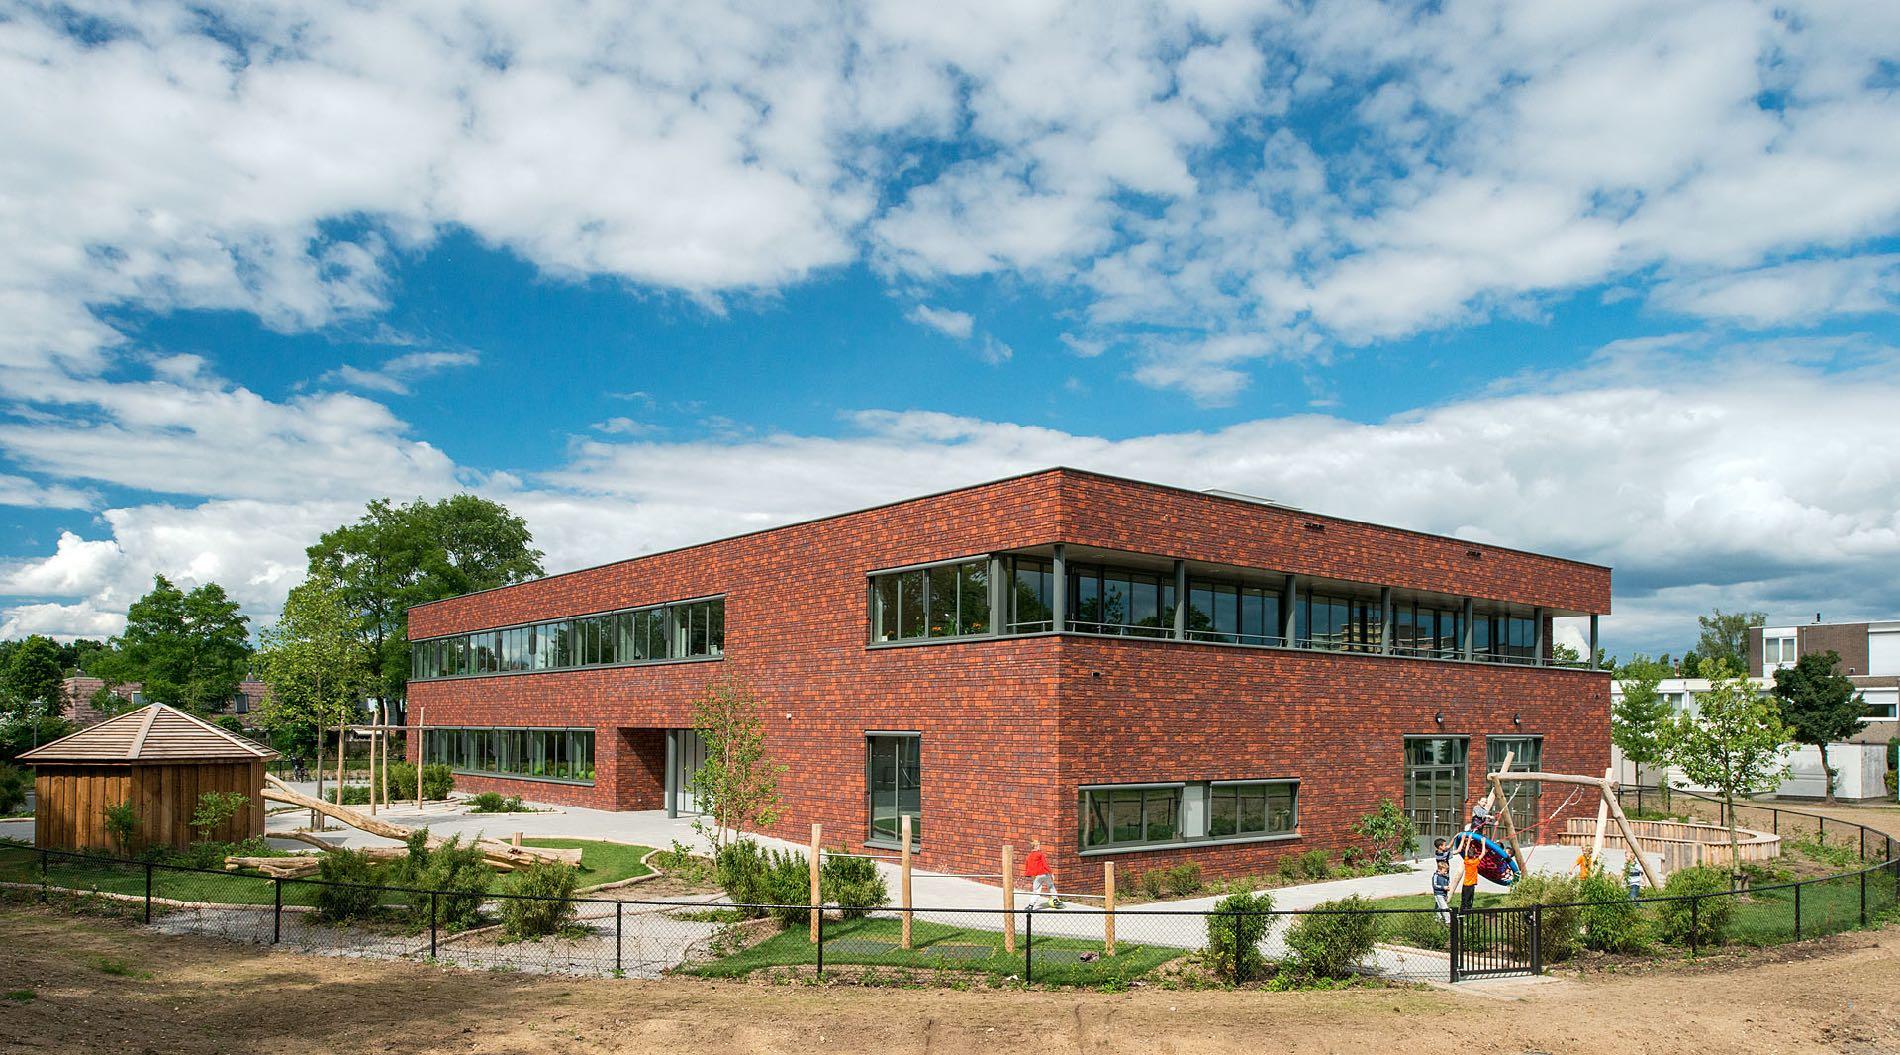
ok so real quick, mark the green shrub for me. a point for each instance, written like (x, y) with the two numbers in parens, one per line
(14, 783)
(682, 863)
(740, 869)
(1327, 942)
(348, 888)
(437, 781)
(1558, 919)
(351, 795)
(495, 802)
(457, 872)
(1184, 879)
(1711, 915)
(546, 902)
(215, 810)
(1288, 867)
(1233, 940)
(1611, 921)
(1316, 864)
(1388, 831)
(122, 823)
(1154, 883)
(852, 883)
(1420, 930)
(788, 885)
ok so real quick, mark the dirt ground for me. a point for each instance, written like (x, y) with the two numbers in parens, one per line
(99, 986)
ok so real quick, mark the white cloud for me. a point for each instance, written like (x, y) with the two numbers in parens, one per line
(958, 324)
(1794, 293)
(20, 491)
(395, 375)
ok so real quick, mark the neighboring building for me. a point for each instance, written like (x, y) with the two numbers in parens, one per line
(1007, 661)
(1870, 657)
(1860, 765)
(76, 699)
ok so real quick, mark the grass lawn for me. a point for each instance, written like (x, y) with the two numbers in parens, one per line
(601, 862)
(939, 946)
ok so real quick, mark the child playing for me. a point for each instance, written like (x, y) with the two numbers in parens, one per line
(1041, 879)
(1633, 875)
(1441, 880)
(1473, 851)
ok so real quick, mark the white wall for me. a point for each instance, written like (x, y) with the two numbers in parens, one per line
(1883, 651)
(1861, 772)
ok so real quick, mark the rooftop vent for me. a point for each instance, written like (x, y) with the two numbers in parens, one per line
(1240, 497)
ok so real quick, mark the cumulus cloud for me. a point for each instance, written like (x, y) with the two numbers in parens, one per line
(957, 324)
(1793, 293)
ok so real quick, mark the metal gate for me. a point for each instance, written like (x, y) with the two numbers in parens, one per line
(1496, 943)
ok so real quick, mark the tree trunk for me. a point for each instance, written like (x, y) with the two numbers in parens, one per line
(1734, 840)
(1827, 773)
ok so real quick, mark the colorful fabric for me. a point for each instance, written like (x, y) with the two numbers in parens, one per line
(1036, 864)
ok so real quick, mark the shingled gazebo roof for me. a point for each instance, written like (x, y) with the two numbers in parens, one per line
(150, 734)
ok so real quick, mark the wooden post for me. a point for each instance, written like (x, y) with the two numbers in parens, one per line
(903, 881)
(374, 736)
(1623, 824)
(385, 724)
(340, 726)
(1510, 830)
(817, 834)
(421, 756)
(517, 839)
(1108, 908)
(1603, 824)
(1009, 899)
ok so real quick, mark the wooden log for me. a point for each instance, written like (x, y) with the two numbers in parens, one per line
(903, 876)
(1629, 837)
(1603, 823)
(817, 833)
(1009, 899)
(496, 850)
(1108, 908)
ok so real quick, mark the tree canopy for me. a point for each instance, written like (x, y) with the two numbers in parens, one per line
(30, 677)
(398, 556)
(187, 650)
(1819, 705)
(1724, 638)
(1640, 719)
(1733, 741)
(317, 663)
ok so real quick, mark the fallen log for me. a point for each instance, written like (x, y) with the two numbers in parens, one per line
(505, 856)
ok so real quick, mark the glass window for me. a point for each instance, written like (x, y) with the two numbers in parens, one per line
(1145, 816)
(893, 774)
(910, 604)
(942, 603)
(949, 600)
(1031, 585)
(1527, 755)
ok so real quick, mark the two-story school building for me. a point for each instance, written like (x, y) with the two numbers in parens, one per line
(1116, 667)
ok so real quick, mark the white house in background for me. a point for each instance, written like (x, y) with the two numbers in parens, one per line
(1870, 657)
(1860, 767)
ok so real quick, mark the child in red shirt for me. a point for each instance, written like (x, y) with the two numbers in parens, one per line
(1041, 879)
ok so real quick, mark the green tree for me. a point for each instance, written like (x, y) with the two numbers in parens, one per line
(1725, 637)
(31, 677)
(397, 556)
(317, 663)
(737, 787)
(1819, 705)
(1733, 742)
(1641, 717)
(74, 655)
(187, 650)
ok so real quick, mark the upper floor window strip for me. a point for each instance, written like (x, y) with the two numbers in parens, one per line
(662, 633)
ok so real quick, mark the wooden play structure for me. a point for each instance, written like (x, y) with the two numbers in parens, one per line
(1608, 811)
(158, 759)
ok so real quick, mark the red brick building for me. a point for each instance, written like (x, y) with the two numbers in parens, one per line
(1008, 660)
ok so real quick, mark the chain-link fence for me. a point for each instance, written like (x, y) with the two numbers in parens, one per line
(1072, 945)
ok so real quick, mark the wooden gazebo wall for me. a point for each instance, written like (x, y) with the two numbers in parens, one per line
(72, 798)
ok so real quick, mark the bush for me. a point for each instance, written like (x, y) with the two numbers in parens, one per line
(1611, 921)
(1289, 867)
(122, 823)
(852, 883)
(1327, 942)
(348, 888)
(1711, 915)
(495, 802)
(740, 869)
(215, 810)
(682, 863)
(1388, 830)
(458, 873)
(352, 795)
(788, 884)
(14, 783)
(437, 781)
(546, 902)
(1420, 930)
(1315, 864)
(1233, 941)
(1184, 879)
(1560, 917)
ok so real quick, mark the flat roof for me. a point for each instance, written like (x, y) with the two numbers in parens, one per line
(1236, 498)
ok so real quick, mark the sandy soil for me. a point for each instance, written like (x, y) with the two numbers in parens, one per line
(192, 995)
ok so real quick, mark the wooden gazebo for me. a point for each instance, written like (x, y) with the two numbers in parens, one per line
(159, 759)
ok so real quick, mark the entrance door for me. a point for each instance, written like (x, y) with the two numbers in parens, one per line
(689, 757)
(1435, 785)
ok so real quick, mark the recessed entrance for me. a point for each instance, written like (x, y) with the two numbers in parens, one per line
(686, 755)
(1435, 785)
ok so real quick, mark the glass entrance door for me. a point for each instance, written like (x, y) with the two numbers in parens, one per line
(1435, 785)
(689, 757)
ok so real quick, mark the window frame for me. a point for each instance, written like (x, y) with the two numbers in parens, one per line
(568, 642)
(1182, 791)
(872, 836)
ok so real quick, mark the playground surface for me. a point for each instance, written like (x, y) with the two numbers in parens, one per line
(78, 985)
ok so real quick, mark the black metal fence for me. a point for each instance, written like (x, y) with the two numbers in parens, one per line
(627, 936)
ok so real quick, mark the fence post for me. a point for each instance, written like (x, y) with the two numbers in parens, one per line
(431, 924)
(1029, 942)
(1537, 939)
(1695, 922)
(618, 905)
(817, 835)
(277, 911)
(1797, 912)
(1822, 838)
(1457, 940)
(1863, 842)
(45, 857)
(1009, 900)
(1863, 897)
(1108, 908)
(818, 928)
(903, 876)
(148, 892)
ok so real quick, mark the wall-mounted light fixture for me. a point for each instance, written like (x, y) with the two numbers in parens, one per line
(1474, 554)
(1439, 717)
(1517, 719)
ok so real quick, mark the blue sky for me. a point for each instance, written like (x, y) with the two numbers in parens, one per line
(1614, 281)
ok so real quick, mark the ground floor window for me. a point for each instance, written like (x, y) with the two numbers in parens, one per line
(533, 754)
(894, 782)
(1144, 815)
(1527, 755)
(1435, 784)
